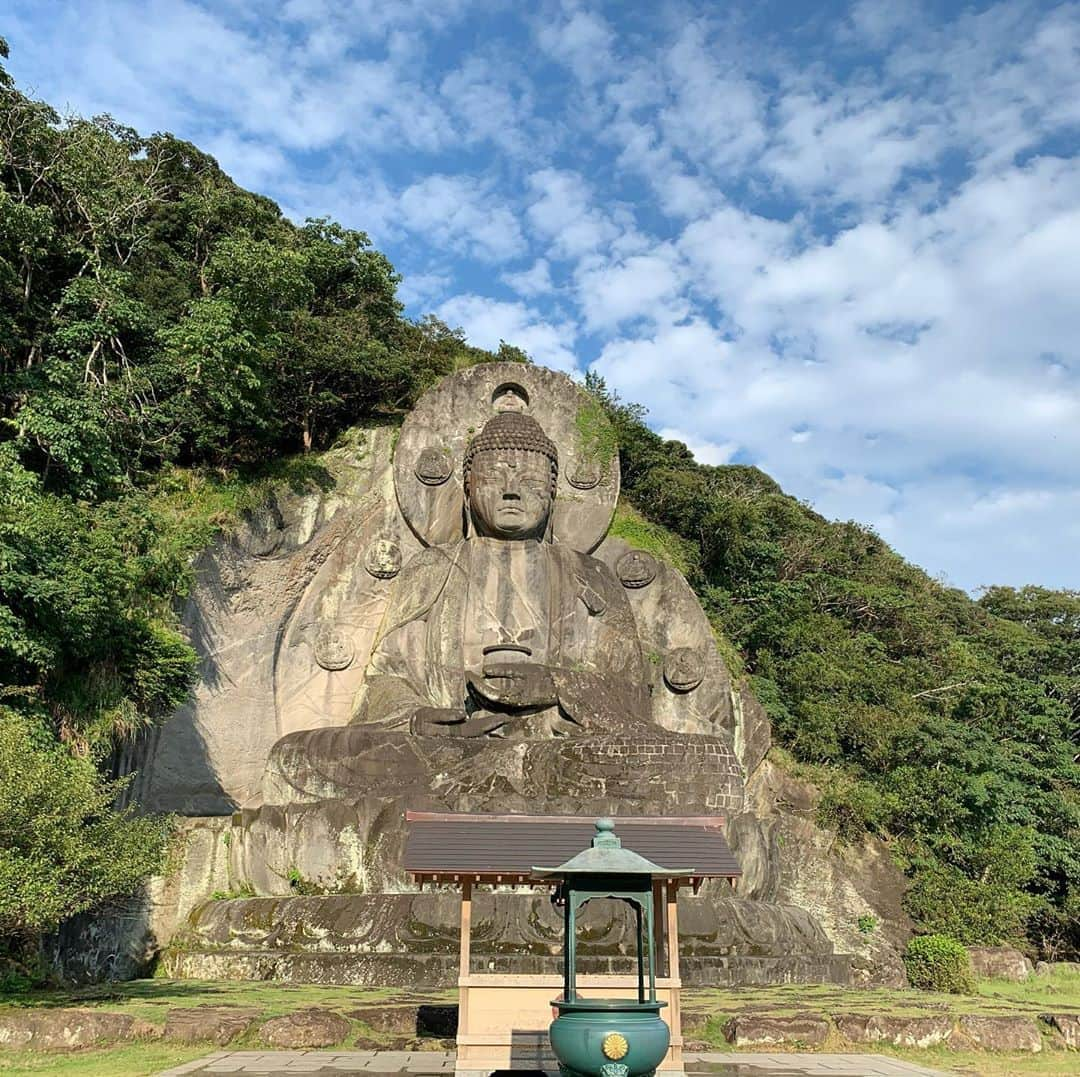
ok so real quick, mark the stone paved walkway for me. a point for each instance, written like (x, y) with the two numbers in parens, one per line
(437, 1063)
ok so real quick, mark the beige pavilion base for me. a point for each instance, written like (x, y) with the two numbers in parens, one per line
(503, 1020)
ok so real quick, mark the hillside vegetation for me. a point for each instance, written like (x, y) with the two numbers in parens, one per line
(170, 343)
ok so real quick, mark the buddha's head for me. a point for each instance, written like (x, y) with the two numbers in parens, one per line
(510, 470)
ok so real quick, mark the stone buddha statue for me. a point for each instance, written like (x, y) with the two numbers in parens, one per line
(504, 631)
(521, 655)
(451, 622)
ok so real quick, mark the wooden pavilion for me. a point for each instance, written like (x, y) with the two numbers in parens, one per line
(503, 1018)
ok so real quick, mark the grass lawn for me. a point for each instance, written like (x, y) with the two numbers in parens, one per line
(150, 999)
(1040, 994)
(985, 1064)
(124, 1060)
(711, 1007)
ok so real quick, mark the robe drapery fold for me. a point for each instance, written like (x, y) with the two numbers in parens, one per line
(452, 603)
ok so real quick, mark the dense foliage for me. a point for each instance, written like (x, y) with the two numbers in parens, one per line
(939, 963)
(168, 339)
(63, 848)
(944, 724)
(165, 338)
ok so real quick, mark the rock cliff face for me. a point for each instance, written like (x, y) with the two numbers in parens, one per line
(266, 602)
(853, 892)
(286, 615)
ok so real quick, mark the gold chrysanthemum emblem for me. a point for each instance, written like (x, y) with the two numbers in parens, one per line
(615, 1046)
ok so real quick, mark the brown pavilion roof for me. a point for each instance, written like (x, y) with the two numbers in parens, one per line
(448, 847)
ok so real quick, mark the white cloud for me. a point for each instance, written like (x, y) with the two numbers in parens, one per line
(534, 281)
(424, 289)
(705, 452)
(487, 321)
(717, 113)
(491, 100)
(179, 65)
(562, 213)
(464, 214)
(647, 286)
(581, 39)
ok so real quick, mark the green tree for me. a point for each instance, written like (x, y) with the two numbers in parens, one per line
(63, 847)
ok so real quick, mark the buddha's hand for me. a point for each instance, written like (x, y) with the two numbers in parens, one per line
(515, 684)
(436, 722)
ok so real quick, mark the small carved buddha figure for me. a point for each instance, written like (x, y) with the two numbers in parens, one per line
(505, 632)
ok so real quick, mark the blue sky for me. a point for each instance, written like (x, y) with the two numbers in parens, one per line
(837, 240)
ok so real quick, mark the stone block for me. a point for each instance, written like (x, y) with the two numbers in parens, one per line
(409, 1019)
(66, 1028)
(898, 1031)
(1048, 968)
(1066, 1026)
(757, 1029)
(208, 1024)
(997, 1033)
(312, 1027)
(1000, 963)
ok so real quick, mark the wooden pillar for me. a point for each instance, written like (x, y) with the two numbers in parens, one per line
(658, 926)
(466, 926)
(673, 929)
(641, 944)
(675, 1011)
(463, 965)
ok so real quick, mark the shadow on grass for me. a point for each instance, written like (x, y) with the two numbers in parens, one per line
(271, 994)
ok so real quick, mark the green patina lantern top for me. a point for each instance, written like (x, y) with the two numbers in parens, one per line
(607, 870)
(606, 856)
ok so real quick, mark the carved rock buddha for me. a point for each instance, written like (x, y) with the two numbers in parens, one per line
(521, 659)
(505, 632)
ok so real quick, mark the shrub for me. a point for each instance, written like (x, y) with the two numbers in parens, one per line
(939, 963)
(990, 908)
(64, 848)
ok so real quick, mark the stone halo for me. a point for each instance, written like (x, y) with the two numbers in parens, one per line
(451, 413)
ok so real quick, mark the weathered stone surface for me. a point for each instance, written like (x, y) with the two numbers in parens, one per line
(208, 1024)
(121, 942)
(997, 1033)
(753, 732)
(1000, 963)
(262, 601)
(1066, 1027)
(312, 1027)
(447, 417)
(343, 841)
(757, 1029)
(787, 858)
(1048, 968)
(441, 970)
(899, 1031)
(697, 696)
(404, 939)
(50, 1029)
(670, 622)
(515, 926)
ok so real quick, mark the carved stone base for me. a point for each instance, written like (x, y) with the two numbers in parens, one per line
(398, 939)
(346, 792)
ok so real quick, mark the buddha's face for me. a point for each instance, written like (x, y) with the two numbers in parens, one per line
(510, 492)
